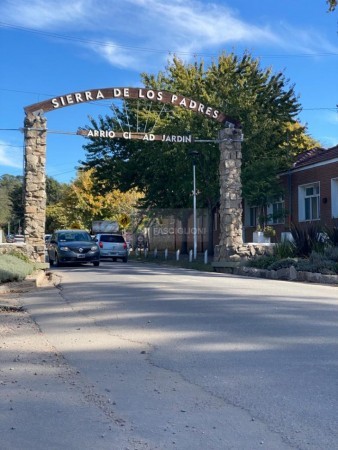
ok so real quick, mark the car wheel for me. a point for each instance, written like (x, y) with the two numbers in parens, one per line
(124, 260)
(57, 262)
(114, 259)
(96, 263)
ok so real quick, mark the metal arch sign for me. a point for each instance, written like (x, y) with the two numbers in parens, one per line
(129, 93)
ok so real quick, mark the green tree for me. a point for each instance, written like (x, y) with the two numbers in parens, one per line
(81, 204)
(55, 190)
(12, 200)
(56, 217)
(264, 103)
(332, 4)
(11, 214)
(259, 186)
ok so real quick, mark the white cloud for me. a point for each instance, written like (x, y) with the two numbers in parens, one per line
(184, 27)
(10, 156)
(304, 40)
(332, 117)
(42, 14)
(204, 23)
(115, 55)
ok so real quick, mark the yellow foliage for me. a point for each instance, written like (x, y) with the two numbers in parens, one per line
(83, 204)
(299, 141)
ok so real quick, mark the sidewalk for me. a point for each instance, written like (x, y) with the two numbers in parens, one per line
(44, 402)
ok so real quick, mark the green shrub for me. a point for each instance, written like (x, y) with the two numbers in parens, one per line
(19, 255)
(331, 253)
(262, 262)
(284, 250)
(332, 235)
(13, 268)
(283, 264)
(318, 265)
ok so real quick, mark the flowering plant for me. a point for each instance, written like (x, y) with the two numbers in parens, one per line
(267, 230)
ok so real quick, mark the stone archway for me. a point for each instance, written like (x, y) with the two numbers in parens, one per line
(35, 132)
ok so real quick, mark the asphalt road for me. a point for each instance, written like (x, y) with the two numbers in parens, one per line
(145, 357)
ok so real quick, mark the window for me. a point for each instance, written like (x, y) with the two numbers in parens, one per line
(334, 197)
(276, 212)
(111, 238)
(253, 216)
(309, 202)
(250, 215)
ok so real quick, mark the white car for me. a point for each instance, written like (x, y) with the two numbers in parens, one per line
(19, 238)
(112, 246)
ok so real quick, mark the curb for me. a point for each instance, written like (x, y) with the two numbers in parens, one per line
(36, 279)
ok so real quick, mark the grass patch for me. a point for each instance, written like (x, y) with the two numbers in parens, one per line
(14, 268)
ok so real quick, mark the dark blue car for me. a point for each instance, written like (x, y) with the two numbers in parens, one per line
(72, 246)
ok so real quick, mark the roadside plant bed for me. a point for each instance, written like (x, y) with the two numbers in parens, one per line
(14, 267)
(311, 256)
(290, 274)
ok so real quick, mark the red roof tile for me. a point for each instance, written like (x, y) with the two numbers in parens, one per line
(316, 155)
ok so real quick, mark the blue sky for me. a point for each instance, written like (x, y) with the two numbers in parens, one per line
(53, 47)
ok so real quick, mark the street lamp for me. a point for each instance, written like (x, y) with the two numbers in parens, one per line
(194, 154)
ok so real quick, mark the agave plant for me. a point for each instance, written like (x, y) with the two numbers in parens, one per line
(307, 239)
(332, 235)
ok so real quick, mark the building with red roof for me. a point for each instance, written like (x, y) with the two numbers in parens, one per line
(311, 194)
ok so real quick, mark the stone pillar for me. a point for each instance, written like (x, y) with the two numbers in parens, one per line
(231, 194)
(35, 183)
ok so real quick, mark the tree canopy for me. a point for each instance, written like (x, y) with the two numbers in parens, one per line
(80, 205)
(11, 216)
(264, 103)
(332, 4)
(11, 200)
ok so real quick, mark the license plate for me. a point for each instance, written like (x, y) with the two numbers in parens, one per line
(81, 256)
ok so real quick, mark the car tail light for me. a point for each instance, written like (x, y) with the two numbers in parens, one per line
(100, 244)
(125, 245)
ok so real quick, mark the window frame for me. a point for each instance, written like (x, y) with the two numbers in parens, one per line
(334, 197)
(280, 220)
(306, 201)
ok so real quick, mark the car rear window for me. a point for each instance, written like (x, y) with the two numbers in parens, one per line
(111, 238)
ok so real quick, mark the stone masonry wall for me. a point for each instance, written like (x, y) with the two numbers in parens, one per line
(230, 194)
(35, 183)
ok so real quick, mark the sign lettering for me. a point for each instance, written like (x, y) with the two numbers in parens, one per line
(128, 93)
(110, 134)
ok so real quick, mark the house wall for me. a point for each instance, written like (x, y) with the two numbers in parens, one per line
(323, 174)
(326, 174)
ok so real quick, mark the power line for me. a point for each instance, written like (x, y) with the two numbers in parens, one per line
(318, 109)
(86, 41)
(8, 145)
(26, 92)
(150, 50)
(61, 173)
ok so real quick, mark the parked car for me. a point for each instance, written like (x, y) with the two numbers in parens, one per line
(112, 246)
(72, 246)
(19, 238)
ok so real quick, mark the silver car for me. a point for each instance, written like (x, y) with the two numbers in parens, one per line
(112, 246)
